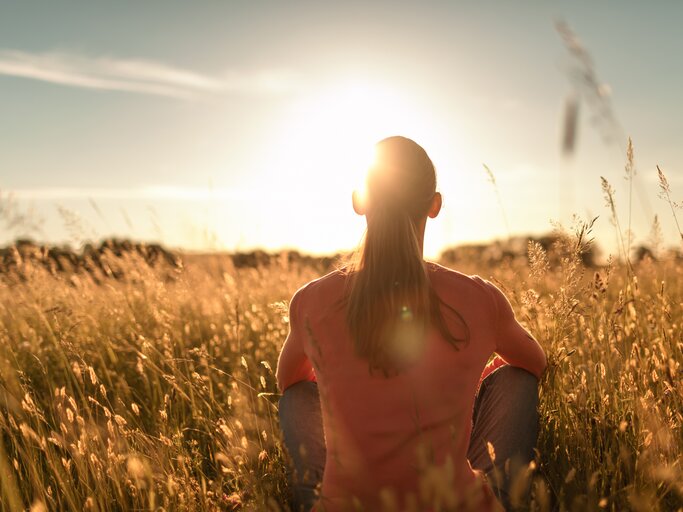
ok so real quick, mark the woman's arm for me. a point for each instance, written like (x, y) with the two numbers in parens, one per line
(293, 364)
(513, 343)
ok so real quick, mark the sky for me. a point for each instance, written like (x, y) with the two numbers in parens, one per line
(239, 124)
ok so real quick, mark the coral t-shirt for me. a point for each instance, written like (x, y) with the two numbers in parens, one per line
(402, 439)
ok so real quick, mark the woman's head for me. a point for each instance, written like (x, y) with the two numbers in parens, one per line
(401, 180)
(391, 303)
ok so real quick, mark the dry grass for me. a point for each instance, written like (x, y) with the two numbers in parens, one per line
(148, 393)
(142, 394)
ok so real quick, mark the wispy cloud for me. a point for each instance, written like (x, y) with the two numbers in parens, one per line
(152, 193)
(137, 75)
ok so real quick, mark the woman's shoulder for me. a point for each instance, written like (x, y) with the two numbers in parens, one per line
(440, 273)
(448, 281)
(329, 285)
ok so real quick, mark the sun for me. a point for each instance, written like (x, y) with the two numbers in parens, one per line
(323, 147)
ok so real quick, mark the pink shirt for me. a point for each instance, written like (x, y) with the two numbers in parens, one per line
(375, 427)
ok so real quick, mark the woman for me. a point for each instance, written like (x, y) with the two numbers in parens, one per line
(390, 353)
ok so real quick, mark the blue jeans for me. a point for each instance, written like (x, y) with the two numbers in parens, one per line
(505, 414)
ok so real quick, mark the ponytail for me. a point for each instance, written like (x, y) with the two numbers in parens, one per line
(391, 303)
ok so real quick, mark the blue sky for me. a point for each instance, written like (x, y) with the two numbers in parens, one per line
(243, 124)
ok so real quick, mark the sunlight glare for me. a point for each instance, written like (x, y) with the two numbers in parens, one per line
(324, 147)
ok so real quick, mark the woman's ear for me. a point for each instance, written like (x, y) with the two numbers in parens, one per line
(358, 203)
(435, 207)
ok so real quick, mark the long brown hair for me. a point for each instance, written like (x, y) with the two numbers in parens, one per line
(391, 303)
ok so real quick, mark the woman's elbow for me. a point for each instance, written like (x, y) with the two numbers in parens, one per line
(282, 382)
(287, 379)
(542, 363)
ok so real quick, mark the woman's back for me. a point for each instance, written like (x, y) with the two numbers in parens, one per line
(391, 432)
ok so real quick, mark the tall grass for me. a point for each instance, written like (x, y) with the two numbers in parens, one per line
(142, 393)
(150, 394)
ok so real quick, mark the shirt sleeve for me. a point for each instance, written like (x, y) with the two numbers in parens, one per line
(293, 365)
(513, 343)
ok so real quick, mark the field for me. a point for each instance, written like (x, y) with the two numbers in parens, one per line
(135, 386)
